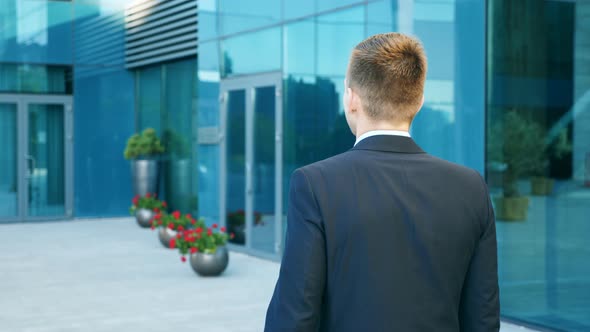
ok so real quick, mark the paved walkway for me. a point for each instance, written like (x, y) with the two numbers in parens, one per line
(109, 275)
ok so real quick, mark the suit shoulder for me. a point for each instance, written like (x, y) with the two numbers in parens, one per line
(334, 162)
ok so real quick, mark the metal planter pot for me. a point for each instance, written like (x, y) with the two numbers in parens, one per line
(144, 217)
(165, 234)
(144, 173)
(210, 265)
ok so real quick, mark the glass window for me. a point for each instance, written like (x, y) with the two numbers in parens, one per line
(450, 125)
(538, 153)
(149, 97)
(240, 56)
(324, 5)
(36, 31)
(300, 48)
(337, 35)
(239, 15)
(103, 106)
(165, 99)
(300, 8)
(35, 79)
(208, 122)
(208, 23)
(8, 160)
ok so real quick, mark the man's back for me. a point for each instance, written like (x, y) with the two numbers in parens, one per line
(388, 238)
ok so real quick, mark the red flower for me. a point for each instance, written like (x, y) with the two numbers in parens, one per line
(199, 230)
(171, 226)
(232, 235)
(172, 243)
(188, 216)
(160, 222)
(209, 232)
(223, 229)
(178, 236)
(148, 195)
(183, 259)
(214, 225)
(135, 200)
(158, 216)
(156, 210)
(164, 204)
(180, 228)
(193, 221)
(194, 250)
(176, 215)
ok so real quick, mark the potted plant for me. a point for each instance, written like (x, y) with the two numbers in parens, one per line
(178, 175)
(541, 184)
(206, 247)
(236, 224)
(143, 150)
(144, 208)
(519, 145)
(170, 225)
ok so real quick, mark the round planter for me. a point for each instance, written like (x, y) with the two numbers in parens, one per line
(210, 265)
(144, 173)
(178, 188)
(165, 234)
(144, 217)
(541, 186)
(511, 208)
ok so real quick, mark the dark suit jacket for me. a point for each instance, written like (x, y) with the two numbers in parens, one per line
(386, 237)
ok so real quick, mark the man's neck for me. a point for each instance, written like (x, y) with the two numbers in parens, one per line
(363, 128)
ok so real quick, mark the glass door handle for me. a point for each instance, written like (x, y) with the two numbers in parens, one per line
(30, 162)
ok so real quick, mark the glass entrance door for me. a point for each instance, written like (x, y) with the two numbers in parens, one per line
(251, 199)
(36, 157)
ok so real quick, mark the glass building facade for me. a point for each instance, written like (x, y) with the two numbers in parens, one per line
(260, 94)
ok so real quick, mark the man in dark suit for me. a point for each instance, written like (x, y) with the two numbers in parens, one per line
(386, 237)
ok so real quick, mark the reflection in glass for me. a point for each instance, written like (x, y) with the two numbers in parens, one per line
(8, 161)
(538, 158)
(241, 56)
(36, 31)
(149, 95)
(46, 160)
(35, 78)
(239, 15)
(235, 150)
(263, 170)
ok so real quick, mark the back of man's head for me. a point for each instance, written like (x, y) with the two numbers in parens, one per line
(388, 72)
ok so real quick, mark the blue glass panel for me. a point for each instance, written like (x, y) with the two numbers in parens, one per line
(239, 15)
(36, 31)
(451, 123)
(299, 8)
(208, 119)
(538, 151)
(104, 106)
(240, 55)
(8, 161)
(300, 48)
(337, 34)
(28, 78)
(149, 98)
(324, 5)
(208, 24)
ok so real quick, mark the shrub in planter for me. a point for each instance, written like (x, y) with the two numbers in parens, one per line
(171, 224)
(144, 208)
(146, 145)
(206, 246)
(236, 223)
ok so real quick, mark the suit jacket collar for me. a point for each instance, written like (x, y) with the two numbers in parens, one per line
(389, 143)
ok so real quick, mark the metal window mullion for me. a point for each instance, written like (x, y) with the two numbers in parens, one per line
(249, 141)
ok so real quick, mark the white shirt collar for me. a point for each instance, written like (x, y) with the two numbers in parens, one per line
(382, 132)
